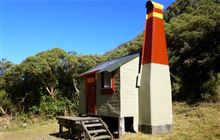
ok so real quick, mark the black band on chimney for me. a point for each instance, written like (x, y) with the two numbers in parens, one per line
(149, 6)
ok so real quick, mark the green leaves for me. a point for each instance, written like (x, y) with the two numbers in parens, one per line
(45, 74)
(88, 61)
(193, 41)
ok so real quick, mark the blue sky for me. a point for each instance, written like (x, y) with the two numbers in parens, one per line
(84, 26)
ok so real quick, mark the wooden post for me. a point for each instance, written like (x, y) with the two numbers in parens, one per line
(121, 126)
(60, 130)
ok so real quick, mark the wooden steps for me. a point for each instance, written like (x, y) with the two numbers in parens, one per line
(96, 129)
(93, 125)
(102, 137)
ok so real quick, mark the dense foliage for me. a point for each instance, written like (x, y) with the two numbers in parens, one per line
(193, 40)
(47, 82)
(44, 84)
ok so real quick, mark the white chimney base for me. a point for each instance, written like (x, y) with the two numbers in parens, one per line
(155, 100)
(149, 129)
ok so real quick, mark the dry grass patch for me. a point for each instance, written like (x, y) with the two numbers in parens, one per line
(9, 123)
(36, 132)
(195, 122)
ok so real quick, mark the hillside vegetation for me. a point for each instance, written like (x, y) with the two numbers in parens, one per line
(46, 84)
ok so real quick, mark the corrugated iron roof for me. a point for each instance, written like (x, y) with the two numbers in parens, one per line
(111, 65)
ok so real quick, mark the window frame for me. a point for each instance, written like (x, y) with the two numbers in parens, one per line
(103, 80)
(110, 89)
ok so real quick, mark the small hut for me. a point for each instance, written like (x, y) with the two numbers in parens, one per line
(109, 91)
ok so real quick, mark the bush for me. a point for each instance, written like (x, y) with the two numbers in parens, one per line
(211, 89)
(50, 107)
(5, 103)
(176, 86)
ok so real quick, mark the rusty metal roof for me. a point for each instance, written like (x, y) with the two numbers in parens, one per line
(111, 65)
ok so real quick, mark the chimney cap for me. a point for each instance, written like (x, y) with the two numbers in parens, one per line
(151, 4)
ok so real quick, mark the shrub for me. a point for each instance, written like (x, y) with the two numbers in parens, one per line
(211, 89)
(5, 103)
(50, 107)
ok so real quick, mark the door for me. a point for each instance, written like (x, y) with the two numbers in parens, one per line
(91, 94)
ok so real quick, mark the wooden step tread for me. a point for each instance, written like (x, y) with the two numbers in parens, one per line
(93, 125)
(97, 131)
(91, 121)
(101, 137)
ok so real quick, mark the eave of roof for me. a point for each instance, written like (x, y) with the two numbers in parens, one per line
(111, 65)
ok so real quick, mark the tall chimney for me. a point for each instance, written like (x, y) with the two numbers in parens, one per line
(155, 101)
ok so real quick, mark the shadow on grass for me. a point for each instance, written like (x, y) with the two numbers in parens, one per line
(65, 135)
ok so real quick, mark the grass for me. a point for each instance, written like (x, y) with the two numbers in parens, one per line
(36, 132)
(21, 122)
(197, 122)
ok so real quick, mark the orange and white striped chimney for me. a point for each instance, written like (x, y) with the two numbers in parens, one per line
(155, 101)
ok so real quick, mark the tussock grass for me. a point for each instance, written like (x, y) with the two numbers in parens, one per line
(197, 122)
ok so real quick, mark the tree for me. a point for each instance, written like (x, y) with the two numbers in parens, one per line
(88, 61)
(15, 86)
(68, 75)
(193, 40)
(5, 102)
(45, 67)
(52, 72)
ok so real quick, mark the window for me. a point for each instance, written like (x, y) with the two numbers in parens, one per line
(106, 80)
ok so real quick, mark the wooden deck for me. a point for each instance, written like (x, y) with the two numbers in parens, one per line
(73, 124)
(80, 127)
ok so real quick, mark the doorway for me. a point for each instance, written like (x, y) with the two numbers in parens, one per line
(91, 94)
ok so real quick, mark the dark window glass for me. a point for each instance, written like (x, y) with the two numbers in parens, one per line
(106, 80)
